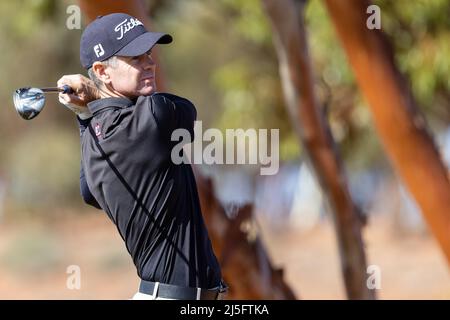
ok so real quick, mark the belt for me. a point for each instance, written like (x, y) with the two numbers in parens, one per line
(169, 291)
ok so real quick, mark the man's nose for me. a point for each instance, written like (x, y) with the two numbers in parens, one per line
(148, 62)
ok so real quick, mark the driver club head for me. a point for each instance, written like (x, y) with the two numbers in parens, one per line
(29, 102)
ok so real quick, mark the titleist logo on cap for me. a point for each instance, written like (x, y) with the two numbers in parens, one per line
(125, 26)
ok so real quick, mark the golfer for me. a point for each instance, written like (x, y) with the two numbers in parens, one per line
(126, 166)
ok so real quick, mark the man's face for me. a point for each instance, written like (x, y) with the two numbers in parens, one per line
(133, 76)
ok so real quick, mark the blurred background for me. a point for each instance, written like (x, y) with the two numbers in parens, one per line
(222, 59)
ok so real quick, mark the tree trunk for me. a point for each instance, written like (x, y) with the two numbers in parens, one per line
(312, 129)
(397, 119)
(245, 264)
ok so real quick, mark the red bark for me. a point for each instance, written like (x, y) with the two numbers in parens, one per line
(312, 129)
(397, 119)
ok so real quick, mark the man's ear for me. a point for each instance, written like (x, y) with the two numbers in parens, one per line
(101, 72)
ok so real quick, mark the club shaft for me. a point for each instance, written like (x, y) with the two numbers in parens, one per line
(64, 89)
(52, 89)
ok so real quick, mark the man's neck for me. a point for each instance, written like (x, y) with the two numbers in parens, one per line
(106, 92)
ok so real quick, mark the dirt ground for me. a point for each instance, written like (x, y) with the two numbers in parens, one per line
(36, 258)
(411, 266)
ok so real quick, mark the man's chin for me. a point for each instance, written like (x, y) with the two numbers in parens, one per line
(148, 88)
(147, 91)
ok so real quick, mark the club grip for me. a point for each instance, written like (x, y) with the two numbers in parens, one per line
(67, 89)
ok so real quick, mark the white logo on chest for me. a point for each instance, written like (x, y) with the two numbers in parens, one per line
(126, 26)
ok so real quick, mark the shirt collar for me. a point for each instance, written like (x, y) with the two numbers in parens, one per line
(100, 104)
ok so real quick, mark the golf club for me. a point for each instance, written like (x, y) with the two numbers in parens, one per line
(29, 102)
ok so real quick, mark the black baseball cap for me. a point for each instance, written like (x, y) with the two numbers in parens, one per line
(117, 34)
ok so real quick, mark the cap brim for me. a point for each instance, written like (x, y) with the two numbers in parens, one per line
(144, 43)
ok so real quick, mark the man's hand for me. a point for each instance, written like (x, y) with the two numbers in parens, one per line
(84, 91)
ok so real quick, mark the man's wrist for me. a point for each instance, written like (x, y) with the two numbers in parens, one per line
(85, 115)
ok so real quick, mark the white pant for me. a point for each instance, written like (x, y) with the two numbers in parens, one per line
(143, 296)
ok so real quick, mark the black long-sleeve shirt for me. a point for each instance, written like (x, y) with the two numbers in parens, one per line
(84, 189)
(127, 171)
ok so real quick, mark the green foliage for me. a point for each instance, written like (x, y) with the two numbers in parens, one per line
(224, 51)
(227, 45)
(27, 14)
(327, 55)
(419, 32)
(249, 20)
(44, 168)
(40, 163)
(222, 59)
